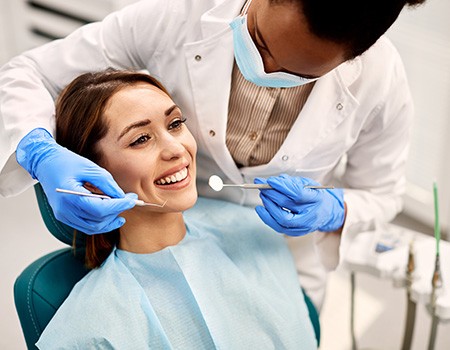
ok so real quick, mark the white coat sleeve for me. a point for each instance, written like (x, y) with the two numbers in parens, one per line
(374, 179)
(29, 83)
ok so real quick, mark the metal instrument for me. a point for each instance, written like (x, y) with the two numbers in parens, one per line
(216, 183)
(139, 202)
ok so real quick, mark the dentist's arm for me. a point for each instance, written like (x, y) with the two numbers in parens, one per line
(30, 82)
(57, 167)
(294, 210)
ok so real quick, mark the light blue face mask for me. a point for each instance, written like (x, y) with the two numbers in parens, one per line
(251, 64)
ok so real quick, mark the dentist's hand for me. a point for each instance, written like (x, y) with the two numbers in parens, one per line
(57, 167)
(291, 209)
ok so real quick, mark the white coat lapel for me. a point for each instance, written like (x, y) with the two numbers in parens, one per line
(211, 92)
(328, 105)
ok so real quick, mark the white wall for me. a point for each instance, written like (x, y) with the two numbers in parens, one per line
(10, 21)
(16, 17)
(4, 24)
(422, 36)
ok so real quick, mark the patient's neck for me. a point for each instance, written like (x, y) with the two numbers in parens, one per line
(149, 232)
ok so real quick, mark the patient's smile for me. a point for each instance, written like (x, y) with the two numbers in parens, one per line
(176, 177)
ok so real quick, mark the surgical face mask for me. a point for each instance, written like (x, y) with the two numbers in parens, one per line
(251, 64)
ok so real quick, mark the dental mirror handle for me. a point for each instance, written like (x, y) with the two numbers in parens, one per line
(266, 186)
(249, 186)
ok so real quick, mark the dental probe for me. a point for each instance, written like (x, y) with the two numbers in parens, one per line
(139, 202)
(216, 183)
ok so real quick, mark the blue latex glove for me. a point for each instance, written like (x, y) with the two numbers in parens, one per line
(296, 211)
(57, 167)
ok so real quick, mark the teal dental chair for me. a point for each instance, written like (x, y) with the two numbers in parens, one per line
(43, 286)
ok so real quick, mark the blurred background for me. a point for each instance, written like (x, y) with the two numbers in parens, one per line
(422, 37)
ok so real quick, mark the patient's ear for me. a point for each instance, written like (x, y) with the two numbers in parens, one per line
(90, 187)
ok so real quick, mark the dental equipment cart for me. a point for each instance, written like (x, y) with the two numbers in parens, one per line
(407, 258)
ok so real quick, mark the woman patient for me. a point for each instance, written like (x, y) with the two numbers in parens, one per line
(168, 280)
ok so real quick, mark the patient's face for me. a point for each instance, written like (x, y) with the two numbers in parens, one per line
(148, 148)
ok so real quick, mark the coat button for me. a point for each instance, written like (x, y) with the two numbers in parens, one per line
(285, 158)
(253, 135)
(212, 133)
(198, 57)
(339, 106)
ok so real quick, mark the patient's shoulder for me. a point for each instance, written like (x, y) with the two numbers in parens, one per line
(103, 300)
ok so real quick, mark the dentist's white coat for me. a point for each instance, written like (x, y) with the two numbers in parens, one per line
(360, 112)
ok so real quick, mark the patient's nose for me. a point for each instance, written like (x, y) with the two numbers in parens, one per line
(171, 148)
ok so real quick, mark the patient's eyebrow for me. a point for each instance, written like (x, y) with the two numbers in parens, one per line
(170, 110)
(145, 122)
(138, 124)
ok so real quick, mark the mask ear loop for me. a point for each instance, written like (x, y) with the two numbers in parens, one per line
(139, 202)
(245, 8)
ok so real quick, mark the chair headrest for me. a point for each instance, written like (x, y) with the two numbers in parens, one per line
(61, 231)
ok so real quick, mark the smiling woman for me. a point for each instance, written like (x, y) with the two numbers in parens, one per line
(127, 123)
(168, 279)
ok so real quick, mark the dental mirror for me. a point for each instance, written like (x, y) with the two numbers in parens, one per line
(216, 183)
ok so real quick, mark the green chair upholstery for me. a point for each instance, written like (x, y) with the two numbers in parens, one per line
(61, 231)
(314, 316)
(43, 286)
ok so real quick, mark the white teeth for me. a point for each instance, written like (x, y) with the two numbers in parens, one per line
(181, 175)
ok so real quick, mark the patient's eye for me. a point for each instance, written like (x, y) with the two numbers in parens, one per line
(176, 124)
(140, 140)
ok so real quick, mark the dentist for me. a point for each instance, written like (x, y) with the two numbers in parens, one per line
(305, 88)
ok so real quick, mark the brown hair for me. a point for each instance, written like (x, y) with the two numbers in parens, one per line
(80, 125)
